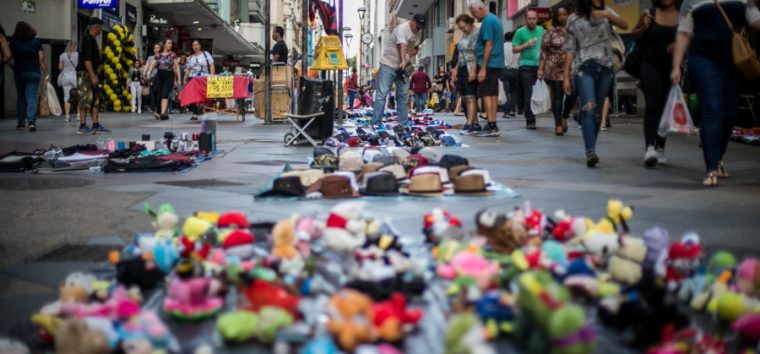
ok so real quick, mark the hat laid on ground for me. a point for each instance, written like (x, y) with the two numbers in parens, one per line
(449, 161)
(442, 172)
(425, 185)
(455, 171)
(385, 159)
(350, 161)
(351, 177)
(414, 161)
(323, 150)
(285, 186)
(354, 141)
(308, 177)
(380, 184)
(396, 170)
(479, 171)
(471, 185)
(326, 161)
(333, 187)
(431, 154)
(369, 168)
(369, 153)
(399, 154)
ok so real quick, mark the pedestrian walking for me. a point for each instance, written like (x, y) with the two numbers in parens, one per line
(440, 80)
(200, 64)
(420, 85)
(88, 84)
(589, 60)
(167, 76)
(398, 52)
(704, 26)
(551, 66)
(465, 75)
(28, 66)
(353, 86)
(656, 33)
(67, 79)
(154, 99)
(490, 63)
(527, 41)
(509, 76)
(134, 82)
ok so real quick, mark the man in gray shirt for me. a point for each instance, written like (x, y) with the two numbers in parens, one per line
(404, 40)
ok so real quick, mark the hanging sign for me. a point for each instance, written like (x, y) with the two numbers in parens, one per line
(98, 4)
(220, 86)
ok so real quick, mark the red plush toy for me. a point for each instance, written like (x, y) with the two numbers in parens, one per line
(683, 258)
(263, 293)
(391, 316)
(233, 219)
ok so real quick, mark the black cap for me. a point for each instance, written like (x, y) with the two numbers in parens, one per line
(420, 19)
(94, 21)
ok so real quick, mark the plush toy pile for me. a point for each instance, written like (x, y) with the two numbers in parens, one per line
(348, 284)
(119, 54)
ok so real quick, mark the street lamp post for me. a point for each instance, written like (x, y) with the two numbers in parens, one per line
(360, 59)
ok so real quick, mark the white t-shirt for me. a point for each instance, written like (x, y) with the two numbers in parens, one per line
(402, 34)
(69, 73)
(511, 60)
(199, 64)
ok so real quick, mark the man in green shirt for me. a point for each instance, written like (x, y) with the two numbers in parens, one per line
(527, 42)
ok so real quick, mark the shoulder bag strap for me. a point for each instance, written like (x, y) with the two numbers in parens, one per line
(208, 63)
(725, 17)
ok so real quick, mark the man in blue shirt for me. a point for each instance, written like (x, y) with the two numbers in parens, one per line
(490, 54)
(527, 42)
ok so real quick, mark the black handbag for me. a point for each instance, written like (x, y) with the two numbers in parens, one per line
(635, 57)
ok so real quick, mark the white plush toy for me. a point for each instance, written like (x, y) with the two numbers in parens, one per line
(346, 227)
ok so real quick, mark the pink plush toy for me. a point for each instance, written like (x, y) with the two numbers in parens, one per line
(118, 306)
(748, 326)
(470, 264)
(748, 277)
(188, 296)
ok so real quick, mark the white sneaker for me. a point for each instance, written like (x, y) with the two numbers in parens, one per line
(650, 157)
(661, 159)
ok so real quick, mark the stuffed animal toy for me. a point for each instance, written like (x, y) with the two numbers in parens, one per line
(748, 326)
(562, 226)
(119, 306)
(464, 335)
(162, 251)
(569, 331)
(345, 227)
(732, 305)
(601, 242)
(720, 262)
(239, 243)
(350, 319)
(748, 277)
(141, 271)
(707, 300)
(137, 346)
(198, 238)
(75, 337)
(77, 287)
(188, 296)
(233, 220)
(503, 235)
(321, 345)
(496, 310)
(626, 265)
(535, 222)
(392, 316)
(284, 240)
(618, 214)
(262, 293)
(165, 220)
(242, 326)
(683, 257)
(145, 325)
(468, 264)
(657, 241)
(441, 225)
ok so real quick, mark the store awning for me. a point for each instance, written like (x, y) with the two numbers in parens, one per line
(408, 8)
(200, 21)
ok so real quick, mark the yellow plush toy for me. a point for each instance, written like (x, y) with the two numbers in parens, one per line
(284, 240)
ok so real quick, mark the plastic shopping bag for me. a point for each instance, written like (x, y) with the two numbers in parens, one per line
(502, 95)
(52, 98)
(675, 118)
(540, 102)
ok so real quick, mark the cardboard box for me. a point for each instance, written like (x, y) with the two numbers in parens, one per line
(281, 75)
(280, 101)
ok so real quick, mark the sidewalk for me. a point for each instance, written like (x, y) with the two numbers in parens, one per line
(42, 212)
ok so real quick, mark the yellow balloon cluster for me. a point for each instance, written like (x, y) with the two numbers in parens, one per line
(119, 54)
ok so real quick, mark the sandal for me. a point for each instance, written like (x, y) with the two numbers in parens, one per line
(711, 180)
(194, 118)
(721, 173)
(158, 116)
(558, 130)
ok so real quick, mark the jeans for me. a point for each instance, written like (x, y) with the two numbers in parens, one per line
(135, 89)
(528, 77)
(656, 88)
(561, 104)
(509, 82)
(593, 81)
(386, 76)
(420, 101)
(351, 97)
(718, 87)
(27, 89)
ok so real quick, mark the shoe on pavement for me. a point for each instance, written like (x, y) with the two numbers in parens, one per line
(465, 129)
(20, 126)
(661, 159)
(99, 129)
(531, 126)
(591, 159)
(475, 129)
(32, 127)
(491, 131)
(604, 129)
(650, 157)
(85, 130)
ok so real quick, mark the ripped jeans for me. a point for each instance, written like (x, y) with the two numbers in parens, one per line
(592, 84)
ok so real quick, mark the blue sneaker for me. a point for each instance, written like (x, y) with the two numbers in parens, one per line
(85, 130)
(465, 129)
(99, 129)
(475, 129)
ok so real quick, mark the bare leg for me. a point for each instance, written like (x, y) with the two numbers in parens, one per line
(94, 112)
(605, 111)
(491, 107)
(164, 106)
(472, 111)
(82, 116)
(66, 108)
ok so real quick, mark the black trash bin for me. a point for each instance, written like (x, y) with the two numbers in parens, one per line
(318, 95)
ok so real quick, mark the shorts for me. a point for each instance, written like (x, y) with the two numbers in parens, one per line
(490, 86)
(88, 99)
(164, 83)
(466, 89)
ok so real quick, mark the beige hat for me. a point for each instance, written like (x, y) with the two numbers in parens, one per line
(350, 161)
(397, 170)
(308, 177)
(471, 185)
(479, 171)
(442, 172)
(425, 185)
(399, 154)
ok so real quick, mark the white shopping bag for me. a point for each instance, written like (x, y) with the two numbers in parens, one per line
(502, 95)
(675, 118)
(540, 102)
(52, 99)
